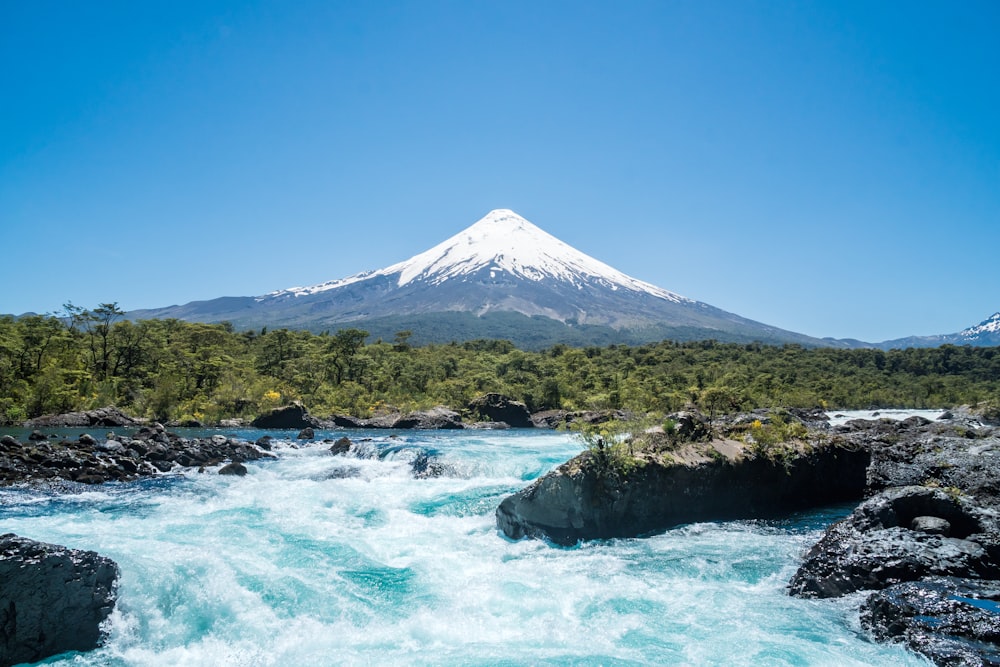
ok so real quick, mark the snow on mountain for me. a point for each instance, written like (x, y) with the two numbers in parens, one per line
(502, 277)
(987, 327)
(501, 242)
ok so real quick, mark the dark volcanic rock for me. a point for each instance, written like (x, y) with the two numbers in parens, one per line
(294, 415)
(564, 418)
(109, 416)
(943, 524)
(435, 418)
(949, 455)
(149, 451)
(233, 469)
(585, 499)
(877, 545)
(952, 621)
(306, 434)
(500, 408)
(52, 599)
(341, 446)
(347, 421)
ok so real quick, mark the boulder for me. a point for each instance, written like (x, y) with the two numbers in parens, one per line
(294, 415)
(52, 599)
(341, 446)
(590, 498)
(952, 621)
(306, 434)
(500, 408)
(346, 421)
(902, 534)
(234, 468)
(435, 418)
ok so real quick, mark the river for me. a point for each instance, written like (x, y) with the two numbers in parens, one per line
(313, 559)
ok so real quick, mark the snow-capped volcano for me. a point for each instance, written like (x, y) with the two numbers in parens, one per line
(502, 277)
(501, 242)
(988, 328)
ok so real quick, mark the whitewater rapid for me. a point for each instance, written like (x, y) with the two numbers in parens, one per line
(313, 559)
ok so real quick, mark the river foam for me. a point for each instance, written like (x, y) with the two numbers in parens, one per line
(313, 559)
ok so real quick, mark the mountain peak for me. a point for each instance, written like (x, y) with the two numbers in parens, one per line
(989, 326)
(504, 242)
(501, 242)
(501, 277)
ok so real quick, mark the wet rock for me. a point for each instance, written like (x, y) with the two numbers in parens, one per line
(233, 469)
(951, 621)
(37, 435)
(87, 440)
(346, 472)
(933, 525)
(341, 446)
(10, 441)
(264, 442)
(306, 434)
(876, 546)
(346, 421)
(52, 599)
(427, 465)
(587, 498)
(293, 415)
(500, 408)
(435, 418)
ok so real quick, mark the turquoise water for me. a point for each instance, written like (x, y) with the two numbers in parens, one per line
(313, 559)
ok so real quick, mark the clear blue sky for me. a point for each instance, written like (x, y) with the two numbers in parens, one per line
(832, 168)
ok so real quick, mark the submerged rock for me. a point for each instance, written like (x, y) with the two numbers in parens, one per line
(52, 599)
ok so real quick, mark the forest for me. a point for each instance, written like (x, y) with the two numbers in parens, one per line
(173, 370)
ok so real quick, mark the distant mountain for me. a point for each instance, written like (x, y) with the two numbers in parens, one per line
(503, 277)
(984, 334)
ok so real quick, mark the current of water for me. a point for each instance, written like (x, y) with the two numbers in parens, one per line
(313, 559)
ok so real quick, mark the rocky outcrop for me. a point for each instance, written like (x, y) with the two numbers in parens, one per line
(588, 498)
(952, 621)
(436, 418)
(565, 418)
(52, 599)
(149, 451)
(99, 418)
(292, 416)
(499, 408)
(927, 540)
(903, 534)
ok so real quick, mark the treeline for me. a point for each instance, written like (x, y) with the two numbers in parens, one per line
(174, 370)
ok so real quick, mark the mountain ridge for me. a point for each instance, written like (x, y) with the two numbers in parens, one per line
(501, 264)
